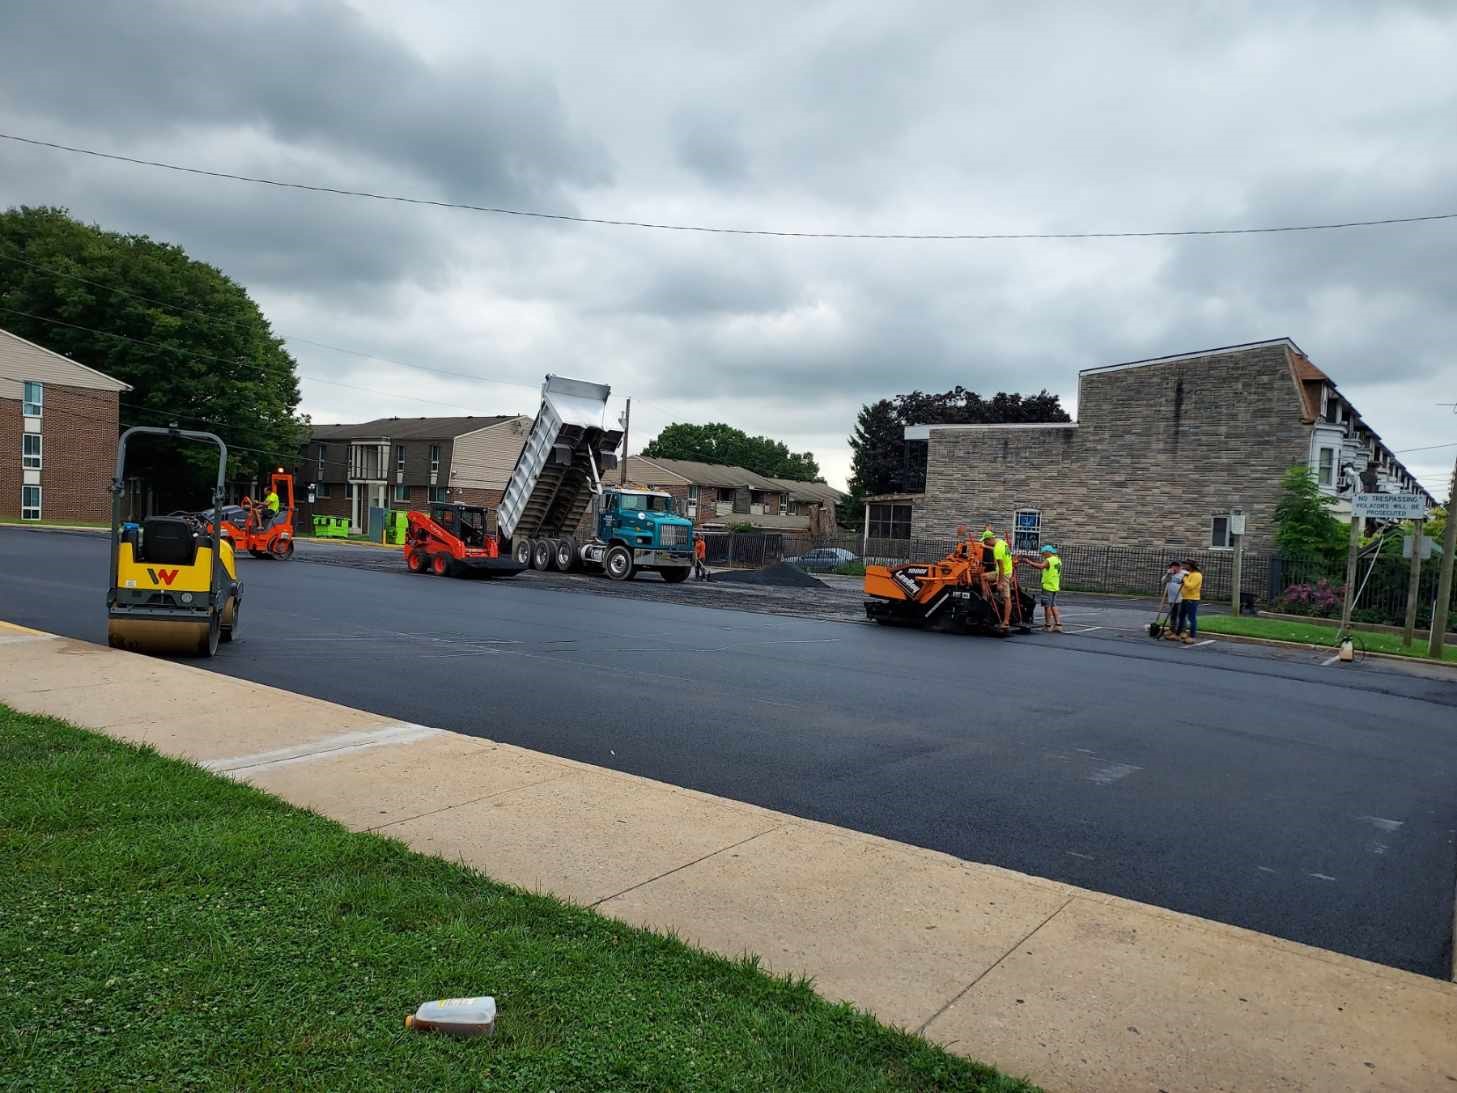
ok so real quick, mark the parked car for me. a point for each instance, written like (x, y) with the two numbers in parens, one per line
(823, 558)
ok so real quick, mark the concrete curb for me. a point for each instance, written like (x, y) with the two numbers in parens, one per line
(1395, 658)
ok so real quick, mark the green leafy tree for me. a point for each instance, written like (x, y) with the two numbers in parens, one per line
(725, 445)
(191, 342)
(1304, 525)
(877, 460)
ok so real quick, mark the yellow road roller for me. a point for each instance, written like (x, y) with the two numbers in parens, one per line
(174, 584)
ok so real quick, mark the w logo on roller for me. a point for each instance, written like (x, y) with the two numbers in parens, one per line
(162, 576)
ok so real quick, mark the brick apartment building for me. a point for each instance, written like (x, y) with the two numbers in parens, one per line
(717, 496)
(408, 462)
(59, 422)
(1162, 453)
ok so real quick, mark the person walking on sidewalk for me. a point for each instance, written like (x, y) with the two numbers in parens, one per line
(1051, 566)
(1173, 587)
(1189, 594)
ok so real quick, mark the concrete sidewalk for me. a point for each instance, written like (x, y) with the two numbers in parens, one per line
(1074, 989)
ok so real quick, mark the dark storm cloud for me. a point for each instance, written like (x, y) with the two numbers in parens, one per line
(315, 73)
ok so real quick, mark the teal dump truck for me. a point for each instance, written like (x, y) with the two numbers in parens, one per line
(558, 514)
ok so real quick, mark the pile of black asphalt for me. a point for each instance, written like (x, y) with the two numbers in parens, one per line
(782, 575)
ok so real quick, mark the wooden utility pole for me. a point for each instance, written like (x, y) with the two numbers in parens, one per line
(626, 425)
(1352, 557)
(1444, 584)
(1413, 582)
(1239, 554)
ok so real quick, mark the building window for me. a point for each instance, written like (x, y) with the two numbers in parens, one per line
(1219, 531)
(399, 457)
(321, 489)
(30, 502)
(1027, 531)
(890, 521)
(692, 502)
(727, 494)
(402, 492)
(321, 475)
(30, 451)
(33, 397)
(435, 459)
(1327, 467)
(437, 495)
(349, 490)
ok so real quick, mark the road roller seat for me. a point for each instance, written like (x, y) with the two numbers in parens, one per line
(168, 540)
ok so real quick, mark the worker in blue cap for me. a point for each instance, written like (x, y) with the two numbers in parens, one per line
(1051, 565)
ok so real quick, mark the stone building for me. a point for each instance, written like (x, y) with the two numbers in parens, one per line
(1164, 451)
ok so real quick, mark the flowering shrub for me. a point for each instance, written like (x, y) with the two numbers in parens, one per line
(1319, 600)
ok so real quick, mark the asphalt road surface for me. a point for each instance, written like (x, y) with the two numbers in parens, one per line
(1313, 803)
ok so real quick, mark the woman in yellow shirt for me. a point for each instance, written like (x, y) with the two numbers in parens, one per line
(1189, 602)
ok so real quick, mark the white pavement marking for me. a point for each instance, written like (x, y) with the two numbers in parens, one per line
(400, 733)
(1074, 853)
(1085, 630)
(1206, 641)
(1381, 824)
(1264, 869)
(1330, 660)
(1321, 876)
(1105, 776)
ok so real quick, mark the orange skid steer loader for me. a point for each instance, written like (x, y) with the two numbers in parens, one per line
(956, 594)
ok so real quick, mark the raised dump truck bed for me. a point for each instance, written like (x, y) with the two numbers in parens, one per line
(560, 466)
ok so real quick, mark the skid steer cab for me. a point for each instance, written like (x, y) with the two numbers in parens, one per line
(455, 541)
(174, 585)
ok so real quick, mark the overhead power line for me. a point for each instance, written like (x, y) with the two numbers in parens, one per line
(710, 230)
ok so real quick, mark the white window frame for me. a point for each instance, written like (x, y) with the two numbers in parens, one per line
(435, 459)
(321, 489)
(349, 490)
(399, 457)
(1325, 474)
(29, 461)
(439, 495)
(1027, 540)
(692, 502)
(322, 449)
(1214, 543)
(401, 488)
(30, 512)
(27, 407)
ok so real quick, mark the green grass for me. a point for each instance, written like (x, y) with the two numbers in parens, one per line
(850, 569)
(1318, 633)
(162, 927)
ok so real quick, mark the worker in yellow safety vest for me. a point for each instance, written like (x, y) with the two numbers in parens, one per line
(997, 576)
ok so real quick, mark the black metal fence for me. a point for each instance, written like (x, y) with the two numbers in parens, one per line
(1299, 585)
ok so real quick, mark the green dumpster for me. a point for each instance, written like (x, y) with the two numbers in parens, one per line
(331, 527)
(395, 525)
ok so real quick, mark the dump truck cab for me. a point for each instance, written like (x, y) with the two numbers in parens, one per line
(647, 524)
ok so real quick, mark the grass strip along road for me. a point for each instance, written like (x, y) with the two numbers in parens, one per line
(1318, 633)
(166, 927)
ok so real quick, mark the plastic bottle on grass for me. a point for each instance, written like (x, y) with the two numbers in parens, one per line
(456, 1016)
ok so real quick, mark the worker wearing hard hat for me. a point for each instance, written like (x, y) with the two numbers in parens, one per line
(997, 572)
(270, 507)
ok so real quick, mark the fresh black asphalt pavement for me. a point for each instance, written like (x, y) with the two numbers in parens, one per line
(1308, 802)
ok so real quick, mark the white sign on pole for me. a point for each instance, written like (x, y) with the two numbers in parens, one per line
(1389, 506)
(1429, 547)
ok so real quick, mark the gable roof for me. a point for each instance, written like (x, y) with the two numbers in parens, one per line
(408, 428)
(22, 360)
(657, 472)
(808, 491)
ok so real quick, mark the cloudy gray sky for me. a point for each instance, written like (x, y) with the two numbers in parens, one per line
(851, 115)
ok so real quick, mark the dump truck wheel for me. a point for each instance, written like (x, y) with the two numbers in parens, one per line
(566, 554)
(521, 552)
(440, 565)
(618, 564)
(675, 575)
(415, 562)
(541, 554)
